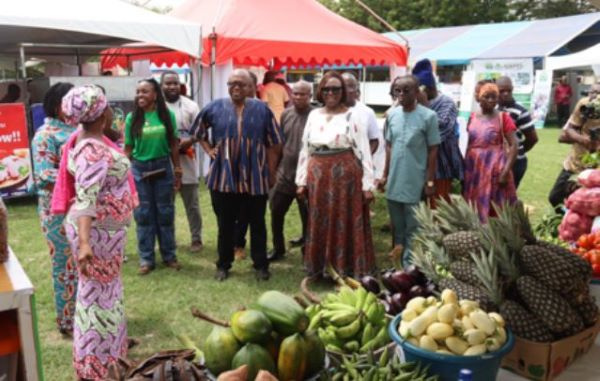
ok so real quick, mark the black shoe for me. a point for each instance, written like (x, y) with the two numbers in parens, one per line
(272, 256)
(221, 275)
(298, 241)
(263, 274)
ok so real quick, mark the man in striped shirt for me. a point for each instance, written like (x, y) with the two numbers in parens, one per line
(526, 134)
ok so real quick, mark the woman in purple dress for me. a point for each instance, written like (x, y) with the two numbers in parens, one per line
(96, 228)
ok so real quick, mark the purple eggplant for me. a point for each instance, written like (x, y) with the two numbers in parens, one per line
(386, 279)
(370, 284)
(420, 278)
(388, 308)
(402, 281)
(399, 301)
(417, 290)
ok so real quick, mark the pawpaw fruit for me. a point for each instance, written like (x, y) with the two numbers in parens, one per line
(315, 354)
(256, 358)
(286, 315)
(291, 364)
(251, 326)
(219, 348)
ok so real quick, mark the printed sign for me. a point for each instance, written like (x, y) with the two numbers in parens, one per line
(520, 72)
(541, 97)
(15, 162)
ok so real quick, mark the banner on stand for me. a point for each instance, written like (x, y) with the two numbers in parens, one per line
(542, 91)
(16, 174)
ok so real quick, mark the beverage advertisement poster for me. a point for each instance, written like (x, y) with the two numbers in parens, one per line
(16, 174)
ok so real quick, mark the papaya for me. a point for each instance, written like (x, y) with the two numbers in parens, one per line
(219, 348)
(251, 326)
(272, 345)
(291, 363)
(315, 354)
(286, 315)
(256, 357)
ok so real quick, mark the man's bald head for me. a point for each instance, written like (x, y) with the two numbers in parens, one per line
(301, 95)
(351, 84)
(302, 85)
(505, 88)
(238, 84)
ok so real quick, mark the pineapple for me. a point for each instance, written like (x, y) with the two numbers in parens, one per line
(464, 271)
(588, 310)
(457, 215)
(522, 323)
(507, 227)
(522, 218)
(547, 305)
(428, 227)
(466, 291)
(583, 266)
(552, 270)
(461, 244)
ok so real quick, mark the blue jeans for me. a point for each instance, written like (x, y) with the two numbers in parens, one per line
(155, 216)
(404, 226)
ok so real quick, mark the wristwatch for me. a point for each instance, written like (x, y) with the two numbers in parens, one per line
(430, 184)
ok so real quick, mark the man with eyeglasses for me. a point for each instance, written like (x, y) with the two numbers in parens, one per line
(582, 131)
(293, 120)
(245, 148)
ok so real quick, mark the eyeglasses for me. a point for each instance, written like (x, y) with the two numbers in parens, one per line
(236, 83)
(332, 90)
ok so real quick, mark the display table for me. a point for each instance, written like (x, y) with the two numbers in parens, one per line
(16, 293)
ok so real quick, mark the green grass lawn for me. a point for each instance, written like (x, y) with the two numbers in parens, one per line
(158, 305)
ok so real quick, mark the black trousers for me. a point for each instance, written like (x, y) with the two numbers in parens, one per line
(280, 204)
(227, 207)
(563, 187)
(562, 113)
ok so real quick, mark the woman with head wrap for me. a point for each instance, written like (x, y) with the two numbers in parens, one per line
(46, 148)
(488, 176)
(96, 227)
(449, 159)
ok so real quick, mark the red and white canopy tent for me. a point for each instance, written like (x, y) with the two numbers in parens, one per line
(272, 33)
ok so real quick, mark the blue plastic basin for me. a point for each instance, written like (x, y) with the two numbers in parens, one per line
(484, 367)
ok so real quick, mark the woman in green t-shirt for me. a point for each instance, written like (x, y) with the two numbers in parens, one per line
(151, 142)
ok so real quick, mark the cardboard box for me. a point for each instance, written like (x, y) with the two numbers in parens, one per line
(545, 361)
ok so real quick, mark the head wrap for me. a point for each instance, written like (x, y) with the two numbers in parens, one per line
(424, 72)
(83, 104)
(488, 88)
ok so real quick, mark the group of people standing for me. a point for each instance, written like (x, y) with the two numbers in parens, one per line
(91, 183)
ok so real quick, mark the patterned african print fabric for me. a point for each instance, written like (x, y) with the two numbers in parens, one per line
(103, 192)
(46, 147)
(484, 162)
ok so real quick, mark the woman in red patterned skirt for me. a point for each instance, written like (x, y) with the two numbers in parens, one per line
(335, 173)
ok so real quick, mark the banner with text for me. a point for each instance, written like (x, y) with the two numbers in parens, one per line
(16, 175)
(542, 91)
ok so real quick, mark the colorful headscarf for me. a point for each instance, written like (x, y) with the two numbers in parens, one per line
(488, 88)
(83, 104)
(424, 72)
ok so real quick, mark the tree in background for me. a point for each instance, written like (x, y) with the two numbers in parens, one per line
(418, 14)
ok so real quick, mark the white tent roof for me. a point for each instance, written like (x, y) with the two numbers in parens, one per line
(100, 22)
(587, 57)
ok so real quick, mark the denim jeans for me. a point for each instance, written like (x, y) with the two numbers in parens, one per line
(155, 216)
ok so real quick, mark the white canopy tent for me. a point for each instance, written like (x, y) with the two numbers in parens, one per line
(585, 58)
(42, 26)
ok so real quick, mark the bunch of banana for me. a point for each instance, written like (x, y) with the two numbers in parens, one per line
(350, 321)
(366, 368)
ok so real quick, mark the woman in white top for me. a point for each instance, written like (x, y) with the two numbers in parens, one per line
(335, 173)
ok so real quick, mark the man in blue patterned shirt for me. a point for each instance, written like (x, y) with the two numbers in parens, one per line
(245, 147)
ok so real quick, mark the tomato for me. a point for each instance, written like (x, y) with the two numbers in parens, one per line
(596, 268)
(595, 258)
(587, 256)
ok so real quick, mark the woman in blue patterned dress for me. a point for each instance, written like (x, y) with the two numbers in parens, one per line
(47, 148)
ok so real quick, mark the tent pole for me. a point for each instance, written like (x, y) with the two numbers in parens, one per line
(78, 58)
(22, 59)
(213, 62)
